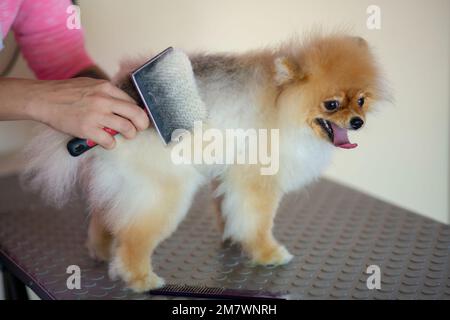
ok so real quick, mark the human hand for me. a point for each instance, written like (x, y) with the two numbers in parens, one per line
(83, 107)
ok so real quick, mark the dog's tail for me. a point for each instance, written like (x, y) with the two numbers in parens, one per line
(49, 168)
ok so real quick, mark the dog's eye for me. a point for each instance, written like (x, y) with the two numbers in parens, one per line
(361, 101)
(331, 105)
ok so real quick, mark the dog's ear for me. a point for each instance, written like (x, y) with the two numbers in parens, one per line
(361, 42)
(286, 71)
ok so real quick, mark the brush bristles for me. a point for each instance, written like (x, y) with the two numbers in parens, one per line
(170, 85)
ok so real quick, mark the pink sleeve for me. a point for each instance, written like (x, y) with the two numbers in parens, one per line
(52, 50)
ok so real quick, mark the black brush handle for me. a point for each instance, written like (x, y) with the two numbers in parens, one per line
(78, 146)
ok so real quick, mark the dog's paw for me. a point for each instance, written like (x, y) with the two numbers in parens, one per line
(115, 270)
(145, 282)
(136, 281)
(277, 255)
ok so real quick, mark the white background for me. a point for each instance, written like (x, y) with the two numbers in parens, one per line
(403, 153)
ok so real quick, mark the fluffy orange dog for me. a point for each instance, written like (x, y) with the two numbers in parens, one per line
(313, 91)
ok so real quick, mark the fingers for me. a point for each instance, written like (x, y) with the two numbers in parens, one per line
(133, 113)
(117, 93)
(110, 107)
(125, 127)
(122, 104)
(103, 138)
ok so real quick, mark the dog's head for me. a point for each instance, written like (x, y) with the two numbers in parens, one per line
(329, 83)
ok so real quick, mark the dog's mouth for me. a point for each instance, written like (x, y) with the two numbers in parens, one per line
(337, 135)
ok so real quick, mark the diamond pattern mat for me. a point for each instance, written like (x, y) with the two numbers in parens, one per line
(334, 232)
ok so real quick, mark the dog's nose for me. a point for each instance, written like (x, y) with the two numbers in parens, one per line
(356, 123)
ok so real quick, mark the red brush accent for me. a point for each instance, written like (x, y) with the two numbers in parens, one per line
(112, 132)
(90, 143)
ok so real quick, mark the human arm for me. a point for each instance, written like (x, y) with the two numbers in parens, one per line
(81, 107)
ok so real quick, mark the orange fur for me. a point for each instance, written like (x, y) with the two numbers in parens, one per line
(340, 66)
(99, 237)
(136, 241)
(289, 94)
(217, 204)
(139, 195)
(262, 196)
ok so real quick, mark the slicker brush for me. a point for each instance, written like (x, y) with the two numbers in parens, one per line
(168, 91)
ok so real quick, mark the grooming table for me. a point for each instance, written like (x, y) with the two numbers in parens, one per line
(333, 231)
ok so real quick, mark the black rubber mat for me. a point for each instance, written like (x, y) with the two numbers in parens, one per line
(334, 232)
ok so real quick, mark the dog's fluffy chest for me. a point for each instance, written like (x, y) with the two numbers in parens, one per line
(303, 157)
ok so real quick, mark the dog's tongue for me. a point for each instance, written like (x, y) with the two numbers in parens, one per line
(340, 138)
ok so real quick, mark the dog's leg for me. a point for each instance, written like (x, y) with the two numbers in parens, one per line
(249, 207)
(99, 237)
(136, 240)
(217, 206)
(134, 246)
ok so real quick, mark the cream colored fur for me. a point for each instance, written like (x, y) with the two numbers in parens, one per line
(132, 182)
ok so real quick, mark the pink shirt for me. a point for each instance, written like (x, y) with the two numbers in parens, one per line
(52, 50)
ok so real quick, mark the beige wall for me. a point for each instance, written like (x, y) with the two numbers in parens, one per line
(403, 154)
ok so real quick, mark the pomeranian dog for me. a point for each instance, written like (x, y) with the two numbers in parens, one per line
(313, 91)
